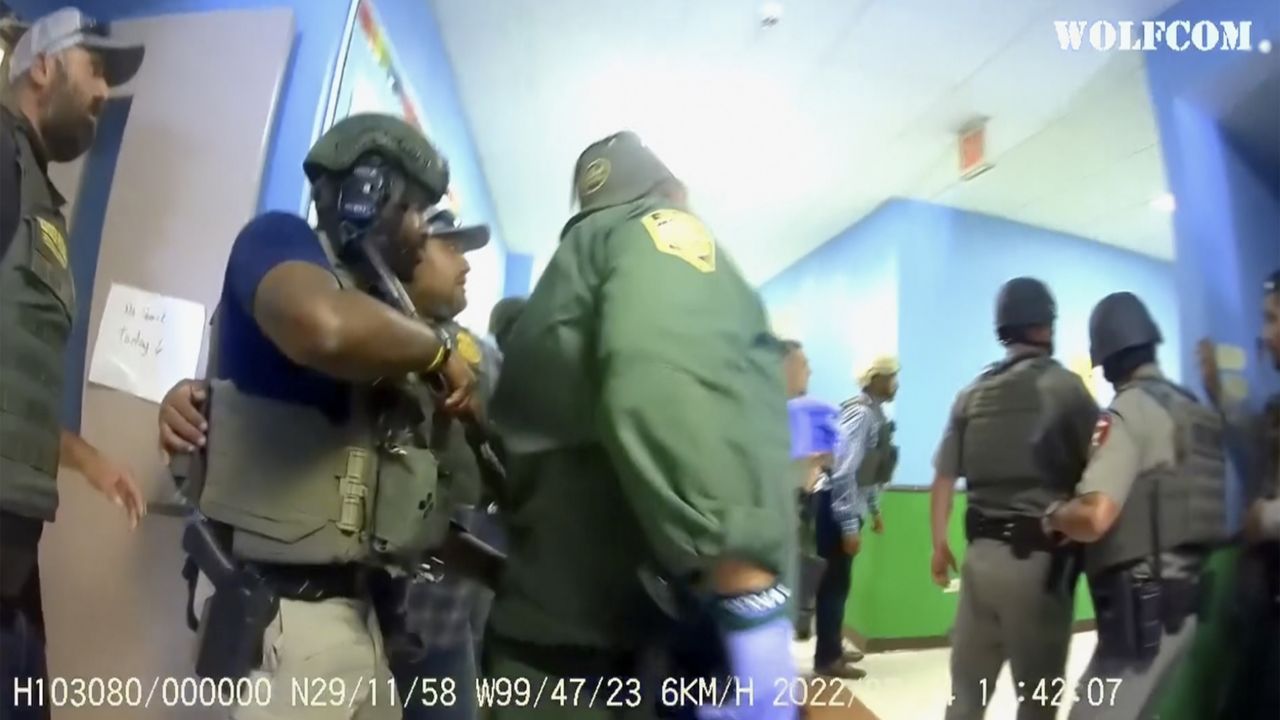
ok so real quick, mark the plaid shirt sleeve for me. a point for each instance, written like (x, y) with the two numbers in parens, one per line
(439, 613)
(855, 425)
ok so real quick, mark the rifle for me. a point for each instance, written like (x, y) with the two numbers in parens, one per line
(474, 557)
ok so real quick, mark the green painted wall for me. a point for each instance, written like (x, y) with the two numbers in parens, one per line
(892, 595)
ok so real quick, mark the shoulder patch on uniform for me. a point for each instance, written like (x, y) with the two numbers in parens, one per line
(53, 241)
(680, 234)
(468, 348)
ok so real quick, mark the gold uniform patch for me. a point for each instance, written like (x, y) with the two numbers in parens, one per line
(682, 235)
(53, 241)
(595, 176)
(468, 348)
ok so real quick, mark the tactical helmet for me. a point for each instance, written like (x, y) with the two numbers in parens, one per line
(395, 140)
(616, 170)
(1025, 301)
(1120, 321)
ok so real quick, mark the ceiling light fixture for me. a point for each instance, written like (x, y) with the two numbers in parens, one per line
(1164, 202)
(770, 14)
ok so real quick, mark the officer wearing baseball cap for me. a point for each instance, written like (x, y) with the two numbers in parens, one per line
(864, 463)
(1018, 435)
(60, 70)
(321, 476)
(1149, 509)
(644, 413)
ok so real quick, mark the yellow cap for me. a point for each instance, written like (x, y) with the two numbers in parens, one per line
(882, 365)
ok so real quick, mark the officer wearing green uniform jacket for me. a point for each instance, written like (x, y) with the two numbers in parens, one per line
(60, 71)
(1019, 435)
(1149, 509)
(644, 415)
(322, 464)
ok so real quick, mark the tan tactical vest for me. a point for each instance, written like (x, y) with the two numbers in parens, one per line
(1175, 506)
(1002, 413)
(298, 488)
(37, 308)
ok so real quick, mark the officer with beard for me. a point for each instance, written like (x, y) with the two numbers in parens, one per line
(1018, 435)
(1149, 509)
(60, 71)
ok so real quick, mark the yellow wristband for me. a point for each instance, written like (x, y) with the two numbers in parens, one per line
(435, 364)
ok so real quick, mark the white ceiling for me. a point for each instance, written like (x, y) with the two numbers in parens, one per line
(788, 135)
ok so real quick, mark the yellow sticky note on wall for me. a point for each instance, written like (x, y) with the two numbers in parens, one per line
(1231, 358)
(1080, 365)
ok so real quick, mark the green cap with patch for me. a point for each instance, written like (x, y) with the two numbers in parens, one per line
(395, 140)
(616, 170)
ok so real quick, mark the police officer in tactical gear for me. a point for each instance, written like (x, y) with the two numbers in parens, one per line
(642, 405)
(60, 70)
(1149, 509)
(320, 465)
(1018, 435)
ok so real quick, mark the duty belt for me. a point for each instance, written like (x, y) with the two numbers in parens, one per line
(1021, 532)
(314, 583)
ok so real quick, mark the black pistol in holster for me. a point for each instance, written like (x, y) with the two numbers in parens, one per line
(233, 621)
(1065, 568)
(230, 627)
(418, 398)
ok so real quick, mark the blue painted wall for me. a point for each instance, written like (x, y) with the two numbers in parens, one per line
(958, 260)
(940, 269)
(519, 275)
(86, 240)
(1227, 218)
(841, 302)
(1225, 227)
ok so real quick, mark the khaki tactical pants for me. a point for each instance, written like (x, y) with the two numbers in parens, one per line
(1006, 613)
(324, 660)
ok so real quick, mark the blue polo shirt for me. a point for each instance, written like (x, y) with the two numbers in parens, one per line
(246, 356)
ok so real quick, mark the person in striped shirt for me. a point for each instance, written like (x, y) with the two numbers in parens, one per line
(864, 461)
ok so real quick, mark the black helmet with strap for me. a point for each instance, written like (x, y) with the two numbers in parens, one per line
(1119, 322)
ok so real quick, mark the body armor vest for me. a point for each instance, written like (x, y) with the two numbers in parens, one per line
(1171, 506)
(880, 457)
(36, 316)
(1002, 413)
(297, 487)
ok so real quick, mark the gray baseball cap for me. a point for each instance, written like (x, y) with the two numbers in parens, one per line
(68, 28)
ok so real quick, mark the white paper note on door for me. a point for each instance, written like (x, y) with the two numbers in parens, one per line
(146, 342)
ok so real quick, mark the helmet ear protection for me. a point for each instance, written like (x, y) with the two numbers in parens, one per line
(363, 194)
(362, 199)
